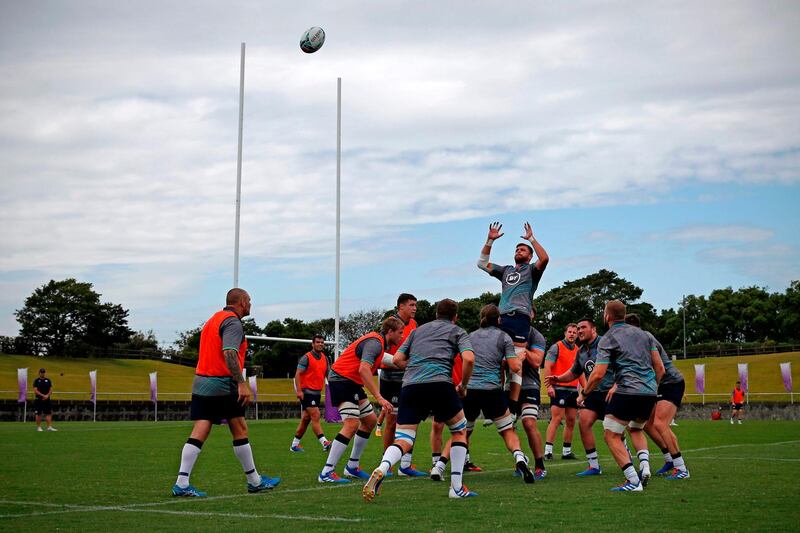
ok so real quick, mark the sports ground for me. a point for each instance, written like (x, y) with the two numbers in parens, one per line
(103, 476)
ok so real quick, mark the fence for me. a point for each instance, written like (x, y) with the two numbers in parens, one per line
(721, 351)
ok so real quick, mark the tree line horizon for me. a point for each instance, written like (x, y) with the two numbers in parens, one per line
(66, 318)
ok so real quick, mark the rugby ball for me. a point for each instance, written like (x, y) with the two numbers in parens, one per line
(312, 40)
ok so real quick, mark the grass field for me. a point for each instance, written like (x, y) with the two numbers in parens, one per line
(95, 477)
(175, 381)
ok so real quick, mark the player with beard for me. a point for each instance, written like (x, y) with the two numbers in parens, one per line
(594, 404)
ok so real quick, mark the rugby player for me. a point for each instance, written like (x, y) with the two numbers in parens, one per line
(519, 283)
(309, 379)
(437, 428)
(594, 404)
(351, 372)
(493, 348)
(637, 368)
(391, 380)
(563, 396)
(529, 398)
(428, 354)
(670, 395)
(219, 391)
(737, 402)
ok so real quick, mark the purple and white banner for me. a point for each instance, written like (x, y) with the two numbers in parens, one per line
(154, 387)
(331, 412)
(93, 383)
(743, 376)
(253, 387)
(786, 373)
(22, 381)
(700, 378)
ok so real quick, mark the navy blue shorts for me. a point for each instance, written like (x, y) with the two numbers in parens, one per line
(345, 391)
(311, 399)
(422, 399)
(529, 396)
(216, 408)
(672, 392)
(390, 390)
(42, 406)
(629, 407)
(565, 398)
(517, 325)
(491, 402)
(596, 401)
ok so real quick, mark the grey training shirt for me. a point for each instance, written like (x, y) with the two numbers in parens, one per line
(431, 349)
(530, 375)
(585, 362)
(491, 346)
(627, 350)
(519, 283)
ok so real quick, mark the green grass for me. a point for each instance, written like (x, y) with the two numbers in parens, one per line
(175, 381)
(92, 477)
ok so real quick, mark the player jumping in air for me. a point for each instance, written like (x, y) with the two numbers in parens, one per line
(519, 283)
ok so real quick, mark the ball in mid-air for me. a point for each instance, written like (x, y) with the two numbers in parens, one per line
(312, 40)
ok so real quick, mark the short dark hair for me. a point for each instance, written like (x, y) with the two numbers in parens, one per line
(633, 320)
(41, 371)
(317, 336)
(405, 297)
(571, 325)
(490, 316)
(234, 296)
(391, 324)
(587, 319)
(446, 308)
(526, 245)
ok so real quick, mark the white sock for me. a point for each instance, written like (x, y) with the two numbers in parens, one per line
(359, 444)
(458, 455)
(244, 453)
(435, 458)
(566, 450)
(322, 439)
(295, 442)
(338, 447)
(667, 457)
(519, 456)
(644, 460)
(678, 462)
(188, 457)
(390, 457)
(631, 475)
(441, 464)
(467, 460)
(405, 462)
(592, 457)
(548, 448)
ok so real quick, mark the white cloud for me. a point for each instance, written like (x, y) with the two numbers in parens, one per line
(118, 127)
(712, 233)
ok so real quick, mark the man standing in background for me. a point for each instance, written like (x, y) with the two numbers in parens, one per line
(43, 388)
(309, 379)
(737, 403)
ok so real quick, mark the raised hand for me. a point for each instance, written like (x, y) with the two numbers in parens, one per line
(528, 232)
(494, 231)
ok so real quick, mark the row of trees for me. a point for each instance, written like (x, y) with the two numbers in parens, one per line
(67, 318)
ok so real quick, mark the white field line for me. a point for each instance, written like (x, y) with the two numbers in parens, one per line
(775, 459)
(742, 445)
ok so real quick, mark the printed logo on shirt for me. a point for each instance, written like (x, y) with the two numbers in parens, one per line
(589, 366)
(512, 278)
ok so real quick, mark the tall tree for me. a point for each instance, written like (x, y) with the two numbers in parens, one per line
(62, 315)
(584, 297)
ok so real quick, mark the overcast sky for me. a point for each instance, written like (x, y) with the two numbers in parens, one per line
(658, 140)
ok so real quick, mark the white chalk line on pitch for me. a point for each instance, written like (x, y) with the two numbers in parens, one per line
(774, 459)
(742, 445)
